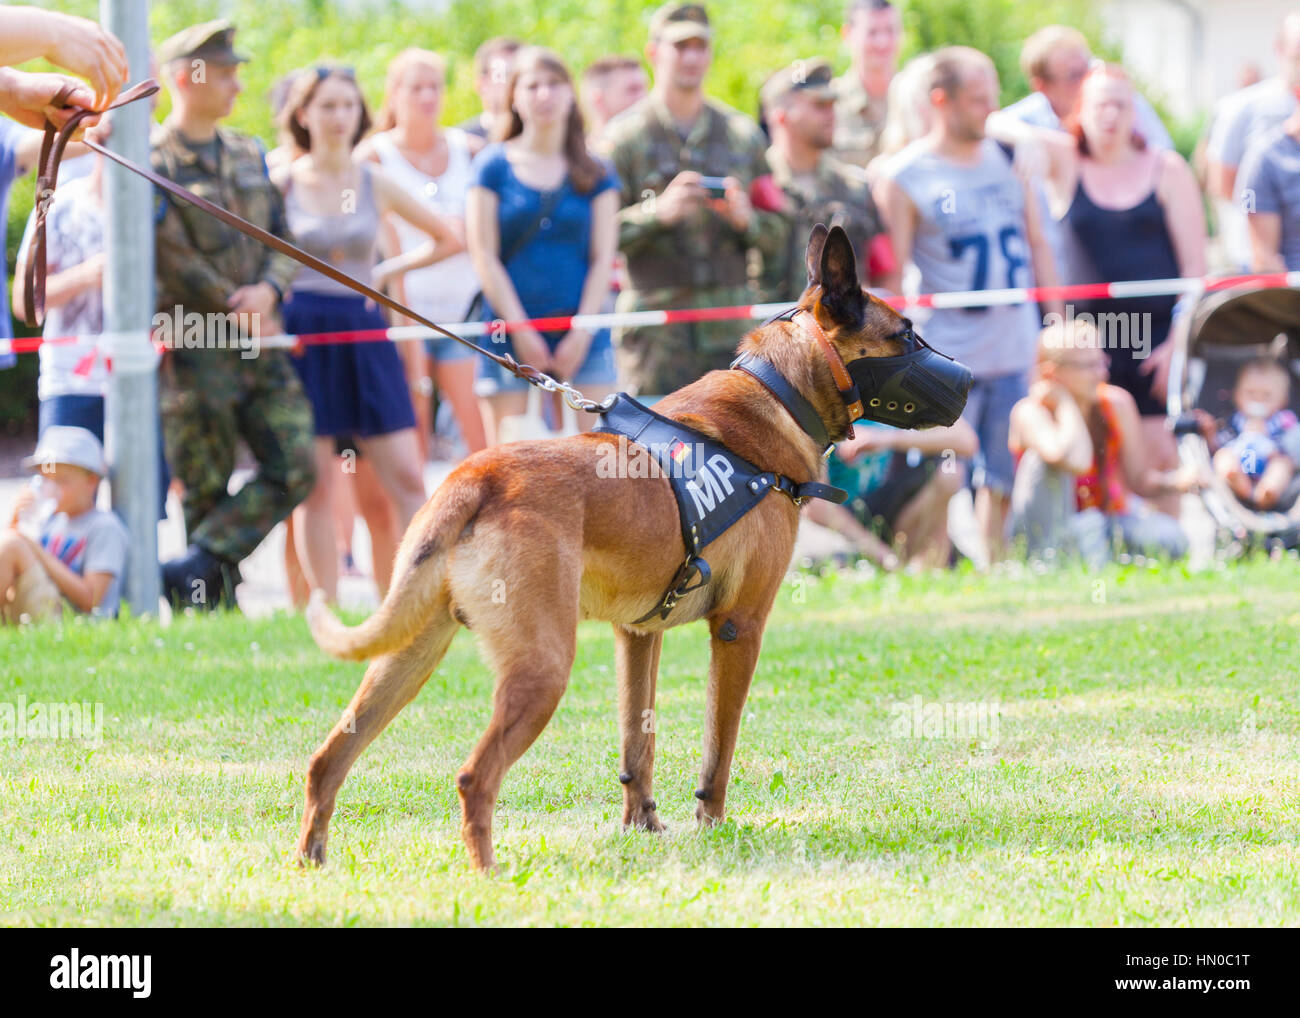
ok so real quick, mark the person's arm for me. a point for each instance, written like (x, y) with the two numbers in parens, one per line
(644, 216)
(1184, 214)
(763, 229)
(443, 240)
(1225, 148)
(900, 217)
(1059, 151)
(60, 287)
(1041, 255)
(1265, 230)
(76, 44)
(572, 349)
(1145, 479)
(960, 439)
(85, 592)
(1261, 196)
(482, 233)
(1220, 180)
(840, 519)
(1048, 421)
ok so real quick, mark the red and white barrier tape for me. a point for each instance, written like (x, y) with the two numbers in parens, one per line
(937, 301)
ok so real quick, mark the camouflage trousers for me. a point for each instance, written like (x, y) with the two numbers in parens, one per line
(209, 400)
(653, 360)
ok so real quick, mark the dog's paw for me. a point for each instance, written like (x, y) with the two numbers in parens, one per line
(311, 855)
(643, 818)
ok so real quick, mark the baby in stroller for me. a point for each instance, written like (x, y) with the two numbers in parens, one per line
(1257, 453)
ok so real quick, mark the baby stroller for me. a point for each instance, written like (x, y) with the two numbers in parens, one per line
(1225, 329)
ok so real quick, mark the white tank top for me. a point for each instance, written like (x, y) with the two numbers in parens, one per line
(440, 292)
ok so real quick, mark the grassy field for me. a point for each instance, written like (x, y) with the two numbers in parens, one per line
(1138, 764)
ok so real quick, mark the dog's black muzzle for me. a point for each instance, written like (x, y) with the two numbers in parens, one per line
(921, 388)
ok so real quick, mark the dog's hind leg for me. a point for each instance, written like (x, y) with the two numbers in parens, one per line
(390, 683)
(731, 669)
(636, 657)
(531, 643)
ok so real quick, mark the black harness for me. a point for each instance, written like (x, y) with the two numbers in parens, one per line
(713, 486)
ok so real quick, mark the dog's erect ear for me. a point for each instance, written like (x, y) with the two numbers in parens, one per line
(838, 275)
(813, 259)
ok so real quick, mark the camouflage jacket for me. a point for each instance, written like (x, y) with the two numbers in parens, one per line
(200, 260)
(703, 250)
(836, 194)
(859, 120)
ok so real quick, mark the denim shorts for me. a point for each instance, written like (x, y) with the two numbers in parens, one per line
(445, 350)
(490, 379)
(988, 411)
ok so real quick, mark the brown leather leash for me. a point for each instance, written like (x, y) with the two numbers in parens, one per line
(56, 140)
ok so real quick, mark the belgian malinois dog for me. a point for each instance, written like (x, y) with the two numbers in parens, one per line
(571, 544)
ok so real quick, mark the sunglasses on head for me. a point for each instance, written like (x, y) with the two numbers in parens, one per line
(323, 71)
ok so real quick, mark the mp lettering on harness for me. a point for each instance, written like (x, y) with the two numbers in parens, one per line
(711, 484)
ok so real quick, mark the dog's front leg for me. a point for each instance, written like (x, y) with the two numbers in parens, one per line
(636, 657)
(736, 643)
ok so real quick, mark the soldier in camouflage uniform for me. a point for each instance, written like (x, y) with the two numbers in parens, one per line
(684, 247)
(798, 104)
(212, 396)
(873, 32)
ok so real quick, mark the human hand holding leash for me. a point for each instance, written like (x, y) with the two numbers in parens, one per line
(76, 44)
(32, 99)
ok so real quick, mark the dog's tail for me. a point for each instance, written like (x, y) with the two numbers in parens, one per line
(418, 575)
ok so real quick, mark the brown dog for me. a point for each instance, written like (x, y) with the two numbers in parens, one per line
(524, 540)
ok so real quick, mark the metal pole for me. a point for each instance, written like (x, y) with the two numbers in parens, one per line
(132, 409)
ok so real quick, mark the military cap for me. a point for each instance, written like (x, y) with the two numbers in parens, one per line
(810, 77)
(674, 22)
(212, 40)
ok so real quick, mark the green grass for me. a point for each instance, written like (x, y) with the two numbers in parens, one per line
(1145, 770)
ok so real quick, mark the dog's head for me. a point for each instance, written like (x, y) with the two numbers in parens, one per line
(871, 364)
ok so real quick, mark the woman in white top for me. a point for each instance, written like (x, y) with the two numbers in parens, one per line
(433, 162)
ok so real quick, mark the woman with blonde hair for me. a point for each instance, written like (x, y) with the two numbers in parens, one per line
(542, 232)
(433, 163)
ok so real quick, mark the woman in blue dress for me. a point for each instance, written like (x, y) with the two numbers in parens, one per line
(541, 229)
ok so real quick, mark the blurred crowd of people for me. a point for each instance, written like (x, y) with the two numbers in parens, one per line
(620, 189)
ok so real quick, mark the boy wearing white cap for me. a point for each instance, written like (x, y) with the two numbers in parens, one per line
(81, 551)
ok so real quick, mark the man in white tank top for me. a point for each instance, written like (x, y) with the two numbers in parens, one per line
(960, 213)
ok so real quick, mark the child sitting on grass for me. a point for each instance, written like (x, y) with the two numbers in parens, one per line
(1256, 458)
(81, 552)
(1082, 469)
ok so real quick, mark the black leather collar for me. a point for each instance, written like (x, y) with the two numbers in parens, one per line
(804, 413)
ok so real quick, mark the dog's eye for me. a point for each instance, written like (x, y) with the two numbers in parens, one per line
(862, 351)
